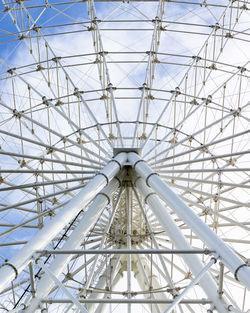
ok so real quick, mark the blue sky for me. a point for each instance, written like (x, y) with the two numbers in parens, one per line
(122, 75)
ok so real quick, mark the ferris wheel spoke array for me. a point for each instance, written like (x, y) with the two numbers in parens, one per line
(124, 147)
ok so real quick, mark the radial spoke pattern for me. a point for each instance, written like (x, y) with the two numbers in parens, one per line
(82, 81)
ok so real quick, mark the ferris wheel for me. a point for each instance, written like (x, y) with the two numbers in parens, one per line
(124, 173)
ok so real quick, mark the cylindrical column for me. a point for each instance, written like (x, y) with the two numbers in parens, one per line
(74, 241)
(103, 307)
(62, 287)
(10, 270)
(180, 242)
(147, 280)
(113, 273)
(128, 220)
(229, 258)
(194, 281)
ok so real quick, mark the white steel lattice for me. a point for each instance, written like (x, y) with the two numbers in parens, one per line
(124, 176)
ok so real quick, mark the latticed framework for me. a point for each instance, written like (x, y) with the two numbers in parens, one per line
(124, 174)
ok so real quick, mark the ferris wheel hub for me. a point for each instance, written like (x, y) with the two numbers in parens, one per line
(127, 150)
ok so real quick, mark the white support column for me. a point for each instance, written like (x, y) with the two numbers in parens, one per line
(180, 242)
(97, 255)
(168, 277)
(74, 241)
(128, 221)
(144, 277)
(103, 306)
(228, 257)
(10, 270)
(114, 270)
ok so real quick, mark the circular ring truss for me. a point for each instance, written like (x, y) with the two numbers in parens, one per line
(83, 81)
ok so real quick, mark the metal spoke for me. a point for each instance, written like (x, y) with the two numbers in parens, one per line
(124, 147)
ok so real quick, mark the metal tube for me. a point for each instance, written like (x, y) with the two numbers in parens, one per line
(208, 170)
(40, 198)
(124, 300)
(194, 281)
(205, 181)
(128, 221)
(45, 235)
(102, 307)
(175, 234)
(32, 219)
(64, 289)
(229, 258)
(142, 274)
(150, 71)
(171, 98)
(39, 143)
(114, 269)
(211, 143)
(35, 184)
(74, 241)
(16, 310)
(93, 268)
(35, 171)
(213, 157)
(44, 159)
(208, 195)
(220, 289)
(32, 279)
(106, 72)
(168, 277)
(127, 251)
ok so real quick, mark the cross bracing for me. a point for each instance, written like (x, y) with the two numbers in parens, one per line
(87, 90)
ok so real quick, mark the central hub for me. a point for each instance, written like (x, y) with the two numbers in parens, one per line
(127, 150)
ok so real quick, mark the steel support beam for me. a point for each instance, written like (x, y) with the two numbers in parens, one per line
(147, 281)
(45, 235)
(228, 257)
(128, 221)
(102, 244)
(113, 272)
(73, 242)
(194, 281)
(61, 286)
(180, 242)
(103, 306)
(124, 300)
(127, 251)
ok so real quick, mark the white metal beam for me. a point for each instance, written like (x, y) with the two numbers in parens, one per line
(74, 241)
(175, 234)
(229, 258)
(64, 289)
(45, 235)
(194, 281)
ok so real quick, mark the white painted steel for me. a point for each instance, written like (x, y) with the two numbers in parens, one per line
(143, 276)
(123, 300)
(229, 258)
(127, 251)
(60, 285)
(115, 281)
(44, 236)
(100, 249)
(79, 84)
(207, 283)
(73, 242)
(115, 272)
(128, 220)
(19, 308)
(194, 281)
